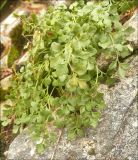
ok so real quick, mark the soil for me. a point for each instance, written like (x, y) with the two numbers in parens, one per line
(6, 137)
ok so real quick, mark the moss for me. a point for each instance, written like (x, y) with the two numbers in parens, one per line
(3, 93)
(17, 38)
(18, 42)
(13, 55)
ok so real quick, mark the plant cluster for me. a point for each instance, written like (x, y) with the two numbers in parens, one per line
(58, 86)
(123, 5)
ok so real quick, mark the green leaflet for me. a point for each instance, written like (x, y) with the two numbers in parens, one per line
(61, 69)
(55, 47)
(79, 66)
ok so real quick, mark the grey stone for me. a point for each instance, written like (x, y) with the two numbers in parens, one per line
(117, 133)
(11, 22)
(115, 138)
(6, 42)
(133, 22)
(4, 62)
(59, 2)
(6, 82)
(5, 85)
(11, 38)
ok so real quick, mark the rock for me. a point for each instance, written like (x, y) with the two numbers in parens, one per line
(5, 73)
(115, 137)
(4, 62)
(4, 87)
(6, 82)
(103, 62)
(59, 2)
(34, 7)
(23, 60)
(11, 37)
(11, 22)
(6, 44)
(133, 22)
(133, 61)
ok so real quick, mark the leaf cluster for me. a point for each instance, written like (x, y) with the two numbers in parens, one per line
(124, 6)
(58, 86)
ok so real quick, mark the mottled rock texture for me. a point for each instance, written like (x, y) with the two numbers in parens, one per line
(133, 22)
(117, 133)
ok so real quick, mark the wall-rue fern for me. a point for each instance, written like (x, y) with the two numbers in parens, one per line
(58, 86)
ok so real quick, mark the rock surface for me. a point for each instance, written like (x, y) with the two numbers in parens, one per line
(59, 2)
(117, 133)
(5, 85)
(115, 138)
(133, 22)
(11, 22)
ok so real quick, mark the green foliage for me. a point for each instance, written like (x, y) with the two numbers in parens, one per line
(2, 94)
(124, 5)
(13, 55)
(58, 87)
